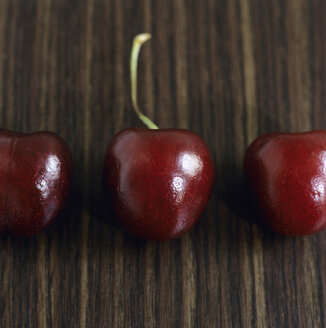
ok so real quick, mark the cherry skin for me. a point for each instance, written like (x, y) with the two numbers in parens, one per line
(35, 178)
(159, 181)
(286, 173)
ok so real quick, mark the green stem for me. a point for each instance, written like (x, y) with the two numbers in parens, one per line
(139, 40)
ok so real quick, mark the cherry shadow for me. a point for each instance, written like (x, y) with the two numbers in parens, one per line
(233, 191)
(235, 194)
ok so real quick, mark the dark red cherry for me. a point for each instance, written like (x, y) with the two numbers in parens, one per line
(286, 173)
(35, 178)
(159, 180)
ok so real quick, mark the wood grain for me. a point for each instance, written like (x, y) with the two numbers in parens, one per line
(229, 70)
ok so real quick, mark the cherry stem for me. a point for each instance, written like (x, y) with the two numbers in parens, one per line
(139, 40)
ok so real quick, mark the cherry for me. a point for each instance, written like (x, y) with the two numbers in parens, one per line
(35, 178)
(286, 173)
(159, 180)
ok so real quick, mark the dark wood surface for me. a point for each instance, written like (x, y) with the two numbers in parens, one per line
(229, 70)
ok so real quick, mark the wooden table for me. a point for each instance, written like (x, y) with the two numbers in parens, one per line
(229, 70)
